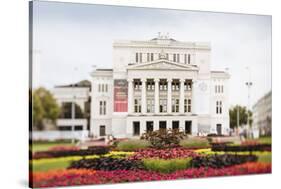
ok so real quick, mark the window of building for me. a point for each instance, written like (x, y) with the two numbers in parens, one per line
(163, 105)
(99, 88)
(178, 57)
(175, 125)
(218, 107)
(151, 57)
(175, 105)
(65, 128)
(66, 110)
(136, 128)
(162, 125)
(137, 85)
(174, 57)
(185, 58)
(189, 58)
(102, 107)
(137, 105)
(140, 54)
(189, 105)
(149, 126)
(188, 127)
(175, 86)
(102, 130)
(150, 85)
(218, 88)
(150, 105)
(148, 57)
(137, 57)
(78, 127)
(163, 85)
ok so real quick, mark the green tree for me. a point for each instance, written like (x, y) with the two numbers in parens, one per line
(243, 116)
(44, 106)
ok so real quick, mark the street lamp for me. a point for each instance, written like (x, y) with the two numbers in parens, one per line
(249, 84)
(73, 106)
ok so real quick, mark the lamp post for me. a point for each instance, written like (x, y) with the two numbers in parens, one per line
(249, 84)
(73, 106)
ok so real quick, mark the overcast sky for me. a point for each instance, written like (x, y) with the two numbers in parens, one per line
(69, 36)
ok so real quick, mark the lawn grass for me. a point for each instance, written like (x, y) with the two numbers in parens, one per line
(51, 166)
(37, 147)
(264, 140)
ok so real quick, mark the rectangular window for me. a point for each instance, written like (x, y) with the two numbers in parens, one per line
(175, 105)
(150, 85)
(137, 57)
(163, 105)
(189, 105)
(149, 126)
(162, 125)
(137, 105)
(136, 128)
(175, 125)
(185, 58)
(163, 85)
(106, 87)
(137, 85)
(174, 58)
(150, 105)
(219, 107)
(189, 59)
(148, 57)
(222, 89)
(188, 127)
(175, 86)
(78, 128)
(140, 57)
(178, 57)
(99, 88)
(151, 57)
(102, 130)
(102, 108)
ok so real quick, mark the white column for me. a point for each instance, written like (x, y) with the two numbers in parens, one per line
(143, 95)
(182, 95)
(193, 98)
(156, 95)
(169, 96)
(130, 95)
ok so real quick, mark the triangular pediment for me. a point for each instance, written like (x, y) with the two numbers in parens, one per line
(162, 64)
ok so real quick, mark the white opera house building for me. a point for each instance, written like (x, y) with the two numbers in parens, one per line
(159, 84)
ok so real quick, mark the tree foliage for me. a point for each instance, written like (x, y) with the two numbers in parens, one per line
(243, 116)
(44, 106)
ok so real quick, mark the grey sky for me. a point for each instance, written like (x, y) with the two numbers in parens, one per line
(70, 36)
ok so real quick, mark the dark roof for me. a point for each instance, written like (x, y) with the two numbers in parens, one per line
(104, 69)
(83, 83)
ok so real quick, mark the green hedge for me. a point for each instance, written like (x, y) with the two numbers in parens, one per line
(166, 166)
(132, 145)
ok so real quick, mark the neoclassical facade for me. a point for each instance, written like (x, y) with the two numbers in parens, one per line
(159, 84)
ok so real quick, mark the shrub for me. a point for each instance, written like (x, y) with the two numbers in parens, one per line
(163, 153)
(106, 164)
(220, 161)
(166, 166)
(195, 143)
(98, 150)
(241, 148)
(164, 138)
(132, 145)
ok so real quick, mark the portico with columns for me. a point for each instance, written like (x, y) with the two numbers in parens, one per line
(161, 92)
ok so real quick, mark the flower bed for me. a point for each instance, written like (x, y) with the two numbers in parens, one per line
(107, 164)
(220, 161)
(82, 177)
(99, 150)
(241, 148)
(169, 153)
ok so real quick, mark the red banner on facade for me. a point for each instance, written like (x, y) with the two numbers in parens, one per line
(120, 95)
